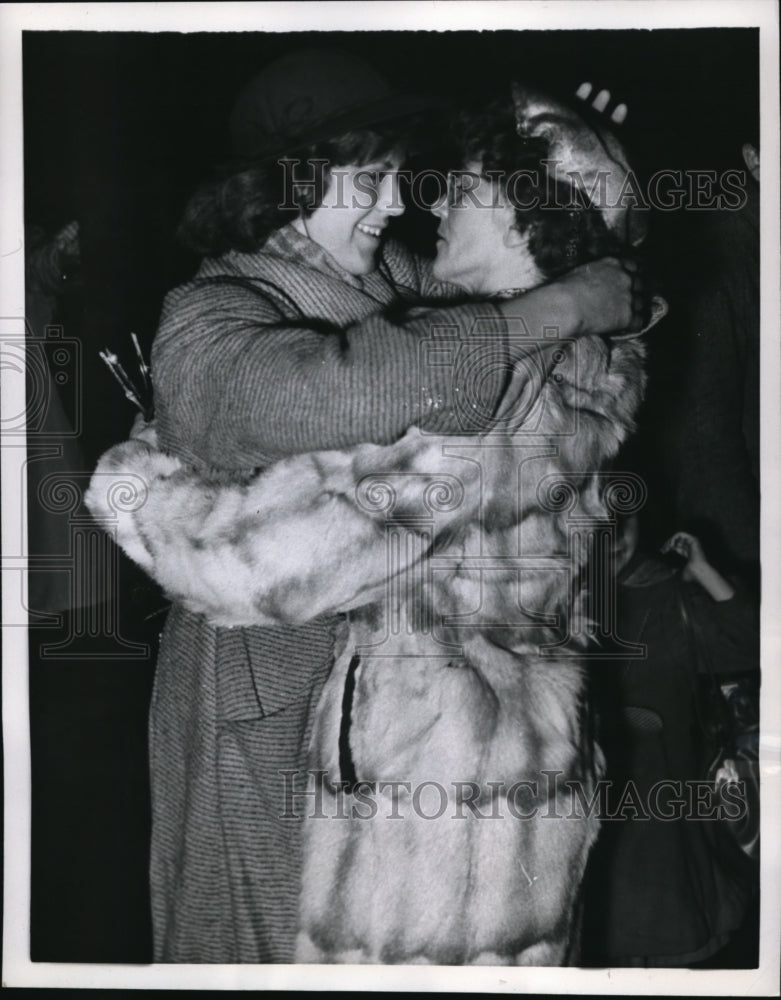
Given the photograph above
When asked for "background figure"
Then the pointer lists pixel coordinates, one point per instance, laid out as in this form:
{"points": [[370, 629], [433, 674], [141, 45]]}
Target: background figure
{"points": [[703, 404], [717, 459], [90, 677], [659, 892], [51, 272]]}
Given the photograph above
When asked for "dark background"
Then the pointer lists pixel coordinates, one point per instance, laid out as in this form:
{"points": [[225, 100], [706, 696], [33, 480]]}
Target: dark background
{"points": [[119, 128]]}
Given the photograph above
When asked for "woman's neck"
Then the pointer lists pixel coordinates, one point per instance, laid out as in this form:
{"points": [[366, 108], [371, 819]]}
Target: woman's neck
{"points": [[512, 276]]}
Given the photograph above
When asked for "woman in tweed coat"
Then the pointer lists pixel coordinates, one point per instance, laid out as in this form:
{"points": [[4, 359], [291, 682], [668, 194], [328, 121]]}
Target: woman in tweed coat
{"points": [[284, 344]]}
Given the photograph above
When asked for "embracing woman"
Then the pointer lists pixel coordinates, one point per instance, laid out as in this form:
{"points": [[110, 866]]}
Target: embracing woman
{"points": [[292, 338]]}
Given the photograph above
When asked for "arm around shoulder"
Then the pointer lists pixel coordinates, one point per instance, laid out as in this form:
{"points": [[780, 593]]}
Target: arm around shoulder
{"points": [[238, 384]]}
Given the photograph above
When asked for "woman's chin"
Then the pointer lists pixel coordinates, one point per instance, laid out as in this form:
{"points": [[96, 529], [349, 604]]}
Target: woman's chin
{"points": [[443, 273], [359, 264]]}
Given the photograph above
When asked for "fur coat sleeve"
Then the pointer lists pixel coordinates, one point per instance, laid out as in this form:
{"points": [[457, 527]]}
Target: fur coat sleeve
{"points": [[300, 539]]}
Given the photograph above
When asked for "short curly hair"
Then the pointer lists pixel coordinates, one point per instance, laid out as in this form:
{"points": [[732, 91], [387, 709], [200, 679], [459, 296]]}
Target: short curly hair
{"points": [[240, 210], [564, 230]]}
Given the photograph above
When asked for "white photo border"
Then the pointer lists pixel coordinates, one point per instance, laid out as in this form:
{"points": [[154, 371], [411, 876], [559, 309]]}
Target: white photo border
{"points": [[18, 970]]}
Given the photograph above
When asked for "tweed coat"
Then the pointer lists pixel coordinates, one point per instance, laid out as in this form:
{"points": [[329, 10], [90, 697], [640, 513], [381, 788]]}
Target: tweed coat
{"points": [[261, 356]]}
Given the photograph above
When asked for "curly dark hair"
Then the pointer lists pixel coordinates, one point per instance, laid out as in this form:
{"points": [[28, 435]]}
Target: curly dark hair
{"points": [[239, 210], [564, 229]]}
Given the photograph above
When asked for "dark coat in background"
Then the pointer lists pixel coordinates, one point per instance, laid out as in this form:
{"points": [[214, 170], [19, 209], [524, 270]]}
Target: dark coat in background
{"points": [[659, 892]]}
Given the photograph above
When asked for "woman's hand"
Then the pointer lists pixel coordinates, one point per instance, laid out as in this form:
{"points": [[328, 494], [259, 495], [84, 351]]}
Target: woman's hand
{"points": [[697, 568], [602, 297], [143, 431], [606, 296], [689, 548], [601, 101]]}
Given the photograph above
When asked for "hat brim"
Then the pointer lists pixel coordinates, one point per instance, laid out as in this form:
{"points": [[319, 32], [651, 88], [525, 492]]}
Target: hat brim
{"points": [[360, 117]]}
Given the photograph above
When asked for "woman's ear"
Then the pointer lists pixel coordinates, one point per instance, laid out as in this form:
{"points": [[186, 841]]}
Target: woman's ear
{"points": [[751, 159]]}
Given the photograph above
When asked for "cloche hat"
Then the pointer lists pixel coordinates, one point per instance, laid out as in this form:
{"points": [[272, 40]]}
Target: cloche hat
{"points": [[310, 95]]}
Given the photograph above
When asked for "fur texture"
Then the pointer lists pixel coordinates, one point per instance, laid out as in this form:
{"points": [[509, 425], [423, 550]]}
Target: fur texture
{"points": [[588, 156]]}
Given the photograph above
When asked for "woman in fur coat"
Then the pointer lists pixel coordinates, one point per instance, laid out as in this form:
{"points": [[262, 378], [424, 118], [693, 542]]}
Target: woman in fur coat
{"points": [[282, 344]]}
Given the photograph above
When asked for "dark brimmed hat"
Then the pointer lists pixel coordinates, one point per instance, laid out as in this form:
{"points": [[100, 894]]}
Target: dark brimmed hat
{"points": [[310, 95]]}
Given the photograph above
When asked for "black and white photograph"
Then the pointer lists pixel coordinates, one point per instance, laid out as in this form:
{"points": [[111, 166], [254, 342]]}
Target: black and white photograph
{"points": [[391, 496]]}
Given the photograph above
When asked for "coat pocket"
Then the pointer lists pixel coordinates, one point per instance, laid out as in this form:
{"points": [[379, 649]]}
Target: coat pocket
{"points": [[262, 671]]}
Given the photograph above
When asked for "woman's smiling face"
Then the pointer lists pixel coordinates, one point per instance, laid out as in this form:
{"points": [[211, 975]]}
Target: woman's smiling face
{"points": [[356, 208]]}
